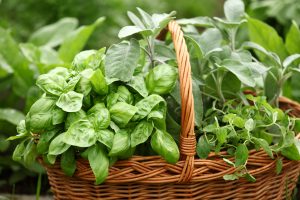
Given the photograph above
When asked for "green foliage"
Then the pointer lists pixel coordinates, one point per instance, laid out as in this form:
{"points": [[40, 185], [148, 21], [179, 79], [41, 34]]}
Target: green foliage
{"points": [[109, 119]]}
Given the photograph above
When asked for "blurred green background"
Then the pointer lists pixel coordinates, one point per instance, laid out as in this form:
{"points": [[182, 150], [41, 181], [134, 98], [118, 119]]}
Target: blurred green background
{"points": [[23, 17]]}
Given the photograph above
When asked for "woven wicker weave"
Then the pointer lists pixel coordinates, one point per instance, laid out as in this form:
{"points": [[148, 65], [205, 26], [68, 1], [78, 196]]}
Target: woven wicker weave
{"points": [[150, 177]]}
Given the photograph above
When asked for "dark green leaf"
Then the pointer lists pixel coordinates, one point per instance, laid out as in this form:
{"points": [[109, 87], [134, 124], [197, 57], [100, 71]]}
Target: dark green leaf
{"points": [[44, 141], [279, 165], [203, 147], [292, 152], [68, 162]]}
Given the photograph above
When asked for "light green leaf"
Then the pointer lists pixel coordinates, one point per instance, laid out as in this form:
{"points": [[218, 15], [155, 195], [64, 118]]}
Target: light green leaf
{"points": [[121, 60], [54, 34], [19, 152], [106, 137], [163, 144], [234, 10], [250, 124], [73, 117], [139, 85], [221, 134], [197, 21], [146, 18], [99, 83], [76, 40], [135, 20], [266, 36], [121, 113], [5, 68], [241, 155], [31, 52], [11, 115], [230, 177], [292, 152], [131, 30], [44, 141], [88, 59], [81, 134], [279, 165], [290, 59], [146, 105], [51, 84], [124, 95], [57, 145], [99, 162], [99, 116], [161, 79], [23, 74], [121, 143], [292, 39], [141, 133], [263, 144], [70, 102]]}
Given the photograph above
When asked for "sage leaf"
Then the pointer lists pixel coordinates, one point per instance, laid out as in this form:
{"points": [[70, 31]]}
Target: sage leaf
{"points": [[293, 39], [234, 10], [121, 60]]}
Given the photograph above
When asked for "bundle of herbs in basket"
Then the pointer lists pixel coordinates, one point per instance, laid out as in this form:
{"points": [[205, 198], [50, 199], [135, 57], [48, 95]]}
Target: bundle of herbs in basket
{"points": [[109, 127]]}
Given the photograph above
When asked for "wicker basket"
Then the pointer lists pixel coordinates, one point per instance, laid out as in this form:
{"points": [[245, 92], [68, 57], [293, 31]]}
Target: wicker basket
{"points": [[150, 177]]}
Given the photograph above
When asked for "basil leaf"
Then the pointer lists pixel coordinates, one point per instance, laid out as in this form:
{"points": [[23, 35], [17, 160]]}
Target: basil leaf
{"points": [[99, 116], [11, 115], [44, 141], [51, 84], [139, 85], [163, 144], [141, 133], [99, 83], [241, 155], [99, 162], [58, 145], [81, 134], [124, 95], [161, 79], [293, 39], [146, 105], [121, 60], [73, 117], [88, 59], [121, 143], [121, 113], [106, 137], [19, 152], [70, 101], [58, 116], [112, 99], [68, 162]]}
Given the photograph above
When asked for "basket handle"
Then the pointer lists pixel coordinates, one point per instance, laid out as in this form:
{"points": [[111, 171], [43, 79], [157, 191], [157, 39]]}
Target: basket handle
{"points": [[187, 137]]}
